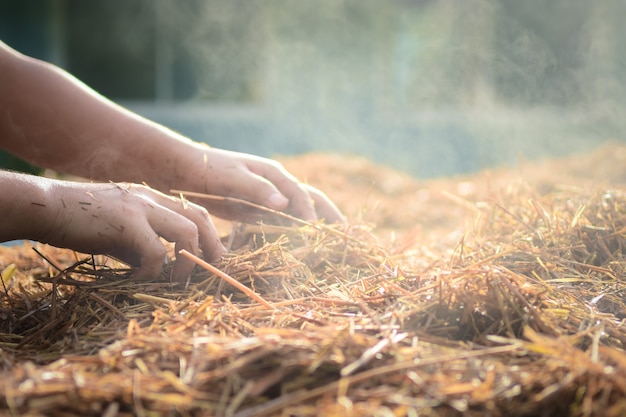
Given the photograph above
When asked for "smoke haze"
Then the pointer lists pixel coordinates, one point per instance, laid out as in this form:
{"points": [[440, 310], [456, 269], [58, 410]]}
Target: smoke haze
{"points": [[430, 87]]}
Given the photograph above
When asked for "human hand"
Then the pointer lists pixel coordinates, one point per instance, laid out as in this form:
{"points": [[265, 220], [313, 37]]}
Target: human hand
{"points": [[126, 221], [128, 147], [260, 181]]}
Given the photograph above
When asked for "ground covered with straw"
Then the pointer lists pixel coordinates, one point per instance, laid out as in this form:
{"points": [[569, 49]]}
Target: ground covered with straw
{"points": [[498, 294]]}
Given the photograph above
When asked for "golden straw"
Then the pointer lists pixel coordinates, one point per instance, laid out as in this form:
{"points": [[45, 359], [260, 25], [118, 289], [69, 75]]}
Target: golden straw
{"points": [[232, 281]]}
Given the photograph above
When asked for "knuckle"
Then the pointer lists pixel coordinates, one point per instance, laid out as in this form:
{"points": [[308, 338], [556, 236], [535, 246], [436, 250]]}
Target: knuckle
{"points": [[189, 228], [198, 213]]}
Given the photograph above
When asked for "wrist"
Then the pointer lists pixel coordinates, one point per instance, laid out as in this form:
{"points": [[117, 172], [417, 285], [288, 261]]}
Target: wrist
{"points": [[188, 169], [26, 206]]}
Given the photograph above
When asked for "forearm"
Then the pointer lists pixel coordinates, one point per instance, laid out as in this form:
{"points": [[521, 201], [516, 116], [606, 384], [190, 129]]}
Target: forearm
{"points": [[53, 120], [25, 206]]}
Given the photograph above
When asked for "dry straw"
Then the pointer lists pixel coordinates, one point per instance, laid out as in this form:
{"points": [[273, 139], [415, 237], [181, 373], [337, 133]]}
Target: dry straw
{"points": [[524, 317]]}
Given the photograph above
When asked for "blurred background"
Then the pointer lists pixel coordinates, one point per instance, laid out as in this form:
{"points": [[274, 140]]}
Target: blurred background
{"points": [[429, 87]]}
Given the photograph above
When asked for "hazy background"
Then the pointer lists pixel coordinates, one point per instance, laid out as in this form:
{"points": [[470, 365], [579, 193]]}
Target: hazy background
{"points": [[430, 87]]}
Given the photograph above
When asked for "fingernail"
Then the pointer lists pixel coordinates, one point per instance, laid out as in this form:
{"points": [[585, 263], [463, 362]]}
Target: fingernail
{"points": [[277, 201]]}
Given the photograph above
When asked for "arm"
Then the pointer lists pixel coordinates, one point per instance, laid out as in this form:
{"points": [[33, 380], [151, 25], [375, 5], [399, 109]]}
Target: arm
{"points": [[122, 220], [51, 119]]}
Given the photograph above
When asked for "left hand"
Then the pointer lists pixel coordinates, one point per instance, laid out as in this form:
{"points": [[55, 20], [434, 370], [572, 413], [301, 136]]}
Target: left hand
{"points": [[126, 221]]}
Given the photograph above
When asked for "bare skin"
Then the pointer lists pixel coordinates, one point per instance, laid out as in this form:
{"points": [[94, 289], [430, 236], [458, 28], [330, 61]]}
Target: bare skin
{"points": [[52, 120]]}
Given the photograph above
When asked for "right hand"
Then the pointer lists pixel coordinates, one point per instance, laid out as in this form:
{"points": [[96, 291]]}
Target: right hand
{"points": [[258, 180]]}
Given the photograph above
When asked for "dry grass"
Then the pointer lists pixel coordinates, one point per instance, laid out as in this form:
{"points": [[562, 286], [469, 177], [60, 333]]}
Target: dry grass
{"points": [[524, 315]]}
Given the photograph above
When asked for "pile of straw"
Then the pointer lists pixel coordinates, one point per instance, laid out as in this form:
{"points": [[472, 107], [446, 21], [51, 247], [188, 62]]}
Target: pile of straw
{"points": [[523, 316]]}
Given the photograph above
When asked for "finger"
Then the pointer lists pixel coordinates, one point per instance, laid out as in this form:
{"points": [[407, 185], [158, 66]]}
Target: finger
{"points": [[212, 247], [324, 207], [209, 239], [151, 251], [255, 187], [300, 202], [188, 226], [178, 229]]}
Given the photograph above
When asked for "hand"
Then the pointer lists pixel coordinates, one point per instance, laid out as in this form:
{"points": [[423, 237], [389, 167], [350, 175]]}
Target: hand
{"points": [[130, 148], [261, 181], [126, 221]]}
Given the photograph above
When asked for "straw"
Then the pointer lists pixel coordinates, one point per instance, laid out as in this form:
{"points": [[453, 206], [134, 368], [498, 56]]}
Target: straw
{"points": [[504, 301]]}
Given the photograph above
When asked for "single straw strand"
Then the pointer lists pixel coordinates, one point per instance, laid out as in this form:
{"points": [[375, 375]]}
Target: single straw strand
{"points": [[232, 281]]}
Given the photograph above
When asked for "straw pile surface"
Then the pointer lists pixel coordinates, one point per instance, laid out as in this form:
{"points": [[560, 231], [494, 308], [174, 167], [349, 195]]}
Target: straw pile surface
{"points": [[500, 294]]}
